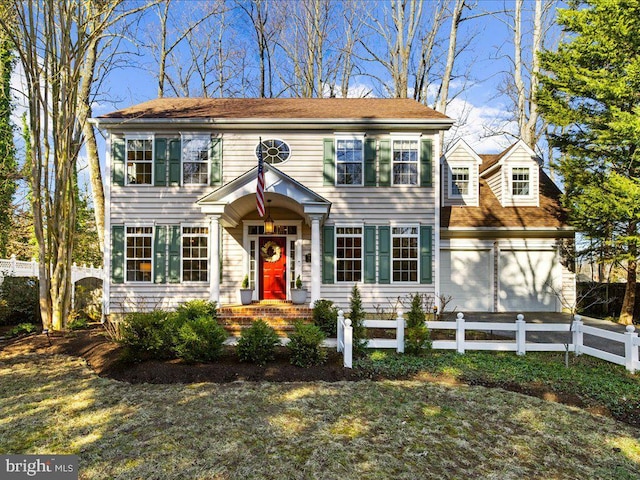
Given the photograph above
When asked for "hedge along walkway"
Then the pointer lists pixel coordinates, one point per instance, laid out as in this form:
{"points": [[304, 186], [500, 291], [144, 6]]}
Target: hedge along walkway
{"points": [[350, 430]]}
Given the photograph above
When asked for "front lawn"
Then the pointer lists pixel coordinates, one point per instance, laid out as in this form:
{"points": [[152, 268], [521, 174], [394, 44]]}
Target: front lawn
{"points": [[349, 430]]}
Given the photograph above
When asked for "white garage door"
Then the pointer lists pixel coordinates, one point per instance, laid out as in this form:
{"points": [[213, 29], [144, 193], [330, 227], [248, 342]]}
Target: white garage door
{"points": [[528, 280], [465, 275]]}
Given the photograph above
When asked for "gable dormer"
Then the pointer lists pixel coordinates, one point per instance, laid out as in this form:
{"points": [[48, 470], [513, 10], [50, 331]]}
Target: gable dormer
{"points": [[513, 176], [460, 167]]}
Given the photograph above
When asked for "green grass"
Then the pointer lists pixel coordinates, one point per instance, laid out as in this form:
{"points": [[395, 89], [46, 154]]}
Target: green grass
{"points": [[404, 429]]}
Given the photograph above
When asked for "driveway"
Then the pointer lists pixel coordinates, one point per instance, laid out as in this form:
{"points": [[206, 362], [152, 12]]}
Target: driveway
{"points": [[616, 348]]}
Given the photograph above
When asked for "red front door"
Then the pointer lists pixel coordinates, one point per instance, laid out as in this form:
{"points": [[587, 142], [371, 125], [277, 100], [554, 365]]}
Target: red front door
{"points": [[273, 268]]}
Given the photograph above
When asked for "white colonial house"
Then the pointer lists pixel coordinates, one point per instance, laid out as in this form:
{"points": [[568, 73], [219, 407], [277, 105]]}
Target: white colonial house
{"points": [[354, 193]]}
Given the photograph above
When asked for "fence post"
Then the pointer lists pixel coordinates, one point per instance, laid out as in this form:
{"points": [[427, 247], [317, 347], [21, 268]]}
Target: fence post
{"points": [[400, 332], [578, 336], [348, 344], [460, 340], [12, 270], [521, 335], [340, 330], [631, 349]]}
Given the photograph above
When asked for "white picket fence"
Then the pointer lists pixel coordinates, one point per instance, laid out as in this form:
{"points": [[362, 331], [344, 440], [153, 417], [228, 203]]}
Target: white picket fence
{"points": [[19, 268], [576, 329]]}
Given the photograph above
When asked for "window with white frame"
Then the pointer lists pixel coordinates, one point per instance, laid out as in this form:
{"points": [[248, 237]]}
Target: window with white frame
{"points": [[405, 162], [195, 254], [459, 181], [348, 254], [195, 159], [520, 181], [405, 254], [349, 161], [139, 161], [139, 253]]}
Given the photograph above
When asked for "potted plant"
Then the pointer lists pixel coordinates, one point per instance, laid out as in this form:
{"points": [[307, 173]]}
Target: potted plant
{"points": [[246, 293], [298, 294]]}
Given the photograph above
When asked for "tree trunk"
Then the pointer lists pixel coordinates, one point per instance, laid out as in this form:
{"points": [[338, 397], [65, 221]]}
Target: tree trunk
{"points": [[629, 301]]}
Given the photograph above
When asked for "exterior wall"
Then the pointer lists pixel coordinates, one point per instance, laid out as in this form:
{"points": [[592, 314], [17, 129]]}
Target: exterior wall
{"points": [[495, 181]]}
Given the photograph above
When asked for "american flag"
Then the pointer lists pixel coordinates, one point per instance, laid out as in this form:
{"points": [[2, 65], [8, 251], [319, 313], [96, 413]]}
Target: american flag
{"points": [[260, 186]]}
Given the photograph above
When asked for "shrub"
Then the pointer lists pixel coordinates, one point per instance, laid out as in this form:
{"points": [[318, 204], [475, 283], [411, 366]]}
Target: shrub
{"points": [[194, 309], [148, 334], [77, 322], [325, 316], [88, 300], [199, 339], [305, 345], [356, 316], [417, 337], [257, 344], [22, 329], [19, 300]]}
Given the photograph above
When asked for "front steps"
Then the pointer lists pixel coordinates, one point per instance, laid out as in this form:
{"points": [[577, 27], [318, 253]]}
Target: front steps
{"points": [[280, 314]]}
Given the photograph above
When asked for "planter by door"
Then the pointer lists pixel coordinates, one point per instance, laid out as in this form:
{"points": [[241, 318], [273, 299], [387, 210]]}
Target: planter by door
{"points": [[246, 295], [298, 295]]}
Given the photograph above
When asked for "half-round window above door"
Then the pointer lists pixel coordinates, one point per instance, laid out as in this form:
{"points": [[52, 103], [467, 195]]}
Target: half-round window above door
{"points": [[274, 151]]}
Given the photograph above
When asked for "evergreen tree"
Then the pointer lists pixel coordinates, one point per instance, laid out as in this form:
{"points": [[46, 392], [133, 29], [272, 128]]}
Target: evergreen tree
{"points": [[356, 316], [591, 89], [8, 164], [417, 336]]}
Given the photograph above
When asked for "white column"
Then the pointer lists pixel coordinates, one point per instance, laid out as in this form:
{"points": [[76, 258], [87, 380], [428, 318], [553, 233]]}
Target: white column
{"points": [[315, 258], [214, 259]]}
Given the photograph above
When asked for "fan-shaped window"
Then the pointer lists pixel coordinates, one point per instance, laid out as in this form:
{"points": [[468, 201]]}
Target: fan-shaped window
{"points": [[274, 151]]}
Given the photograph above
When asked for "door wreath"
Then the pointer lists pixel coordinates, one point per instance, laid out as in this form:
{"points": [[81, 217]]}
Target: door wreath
{"points": [[271, 251]]}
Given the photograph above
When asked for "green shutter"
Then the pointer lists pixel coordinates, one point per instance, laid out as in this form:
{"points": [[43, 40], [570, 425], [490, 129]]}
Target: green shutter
{"points": [[160, 162], [328, 239], [174, 254], [329, 172], [425, 254], [160, 251], [175, 152], [117, 160], [117, 254], [370, 162], [384, 255], [369, 254], [425, 163], [385, 163], [215, 160]]}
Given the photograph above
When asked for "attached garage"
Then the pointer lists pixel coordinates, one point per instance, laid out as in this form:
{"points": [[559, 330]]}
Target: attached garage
{"points": [[465, 276], [529, 280]]}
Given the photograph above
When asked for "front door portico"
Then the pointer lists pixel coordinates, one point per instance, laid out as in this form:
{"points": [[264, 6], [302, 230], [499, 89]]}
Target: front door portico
{"points": [[273, 268]]}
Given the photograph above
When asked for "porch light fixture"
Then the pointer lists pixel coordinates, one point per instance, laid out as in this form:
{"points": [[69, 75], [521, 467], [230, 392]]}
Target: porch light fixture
{"points": [[268, 222]]}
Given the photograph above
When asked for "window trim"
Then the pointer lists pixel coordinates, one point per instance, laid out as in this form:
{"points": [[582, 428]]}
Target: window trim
{"points": [[335, 251], [273, 139], [511, 182], [349, 136], [139, 136], [153, 252], [187, 136], [400, 138], [392, 258], [208, 237], [470, 183]]}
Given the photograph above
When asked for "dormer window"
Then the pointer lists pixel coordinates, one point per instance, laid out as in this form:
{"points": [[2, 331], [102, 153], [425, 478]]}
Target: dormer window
{"points": [[459, 181], [520, 181]]}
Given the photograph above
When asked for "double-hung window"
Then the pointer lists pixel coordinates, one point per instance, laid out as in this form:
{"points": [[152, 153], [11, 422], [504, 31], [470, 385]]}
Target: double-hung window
{"points": [[405, 253], [459, 181], [406, 158], [195, 159], [348, 254], [349, 160], [139, 160], [520, 181], [139, 253], [195, 254]]}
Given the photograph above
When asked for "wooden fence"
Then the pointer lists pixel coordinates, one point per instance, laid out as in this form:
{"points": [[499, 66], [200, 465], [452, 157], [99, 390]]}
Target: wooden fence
{"points": [[575, 338]]}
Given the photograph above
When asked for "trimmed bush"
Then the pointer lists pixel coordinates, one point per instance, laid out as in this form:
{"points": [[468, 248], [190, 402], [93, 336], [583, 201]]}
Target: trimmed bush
{"points": [[199, 340], [417, 339], [305, 345], [257, 344], [19, 300], [148, 334], [325, 316], [357, 316], [194, 309]]}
